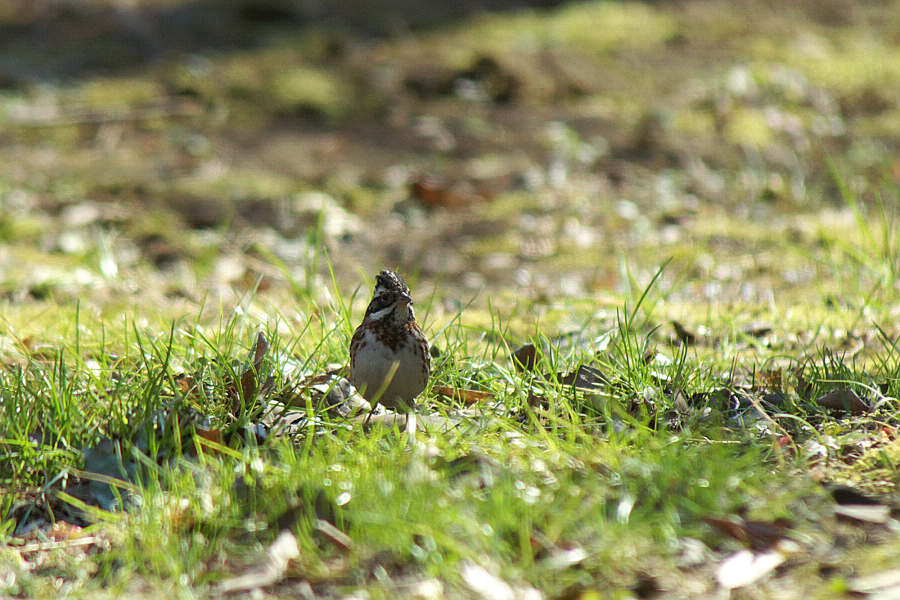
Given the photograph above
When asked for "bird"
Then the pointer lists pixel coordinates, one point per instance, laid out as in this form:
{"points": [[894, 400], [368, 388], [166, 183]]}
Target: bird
{"points": [[389, 356]]}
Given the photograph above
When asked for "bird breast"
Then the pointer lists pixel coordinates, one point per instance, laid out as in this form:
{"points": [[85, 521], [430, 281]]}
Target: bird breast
{"points": [[375, 358]]}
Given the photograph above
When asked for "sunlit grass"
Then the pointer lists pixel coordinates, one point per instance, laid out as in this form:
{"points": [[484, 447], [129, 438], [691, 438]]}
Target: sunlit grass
{"points": [[515, 484], [128, 321]]}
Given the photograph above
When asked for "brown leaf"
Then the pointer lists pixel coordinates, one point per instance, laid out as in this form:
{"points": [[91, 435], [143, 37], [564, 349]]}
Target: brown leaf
{"points": [[686, 337], [59, 531], [249, 385], [259, 350], [757, 330], [786, 443], [463, 395], [271, 570], [758, 535], [525, 357], [803, 386], [213, 435], [768, 380], [844, 494], [334, 535], [843, 399], [856, 506], [185, 383], [434, 191], [248, 379], [585, 378]]}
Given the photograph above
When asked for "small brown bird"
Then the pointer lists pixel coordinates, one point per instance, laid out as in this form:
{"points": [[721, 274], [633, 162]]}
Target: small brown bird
{"points": [[389, 358]]}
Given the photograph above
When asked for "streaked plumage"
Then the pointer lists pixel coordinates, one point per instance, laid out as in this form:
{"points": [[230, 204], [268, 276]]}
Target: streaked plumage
{"points": [[388, 351]]}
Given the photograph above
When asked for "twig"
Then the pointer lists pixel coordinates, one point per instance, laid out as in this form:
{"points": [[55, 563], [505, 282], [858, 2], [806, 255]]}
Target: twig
{"points": [[88, 117], [44, 546]]}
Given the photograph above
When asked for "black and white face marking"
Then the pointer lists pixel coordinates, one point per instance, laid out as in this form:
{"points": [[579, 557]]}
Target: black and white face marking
{"points": [[397, 306], [390, 298]]}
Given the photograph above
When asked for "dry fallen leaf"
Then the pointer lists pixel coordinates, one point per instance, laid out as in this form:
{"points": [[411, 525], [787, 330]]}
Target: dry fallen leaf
{"points": [[213, 435], [843, 399], [434, 191], [867, 513], [524, 357], [684, 336], [464, 395], [330, 392], [885, 584], [248, 381], [271, 570], [337, 537], [585, 378], [844, 494], [756, 534], [769, 379], [757, 330], [185, 383]]}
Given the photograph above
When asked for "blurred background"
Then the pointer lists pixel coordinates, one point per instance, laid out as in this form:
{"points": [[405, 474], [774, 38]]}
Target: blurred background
{"points": [[181, 150]]}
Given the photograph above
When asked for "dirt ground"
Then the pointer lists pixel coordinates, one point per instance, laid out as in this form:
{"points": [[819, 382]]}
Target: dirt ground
{"points": [[531, 151]]}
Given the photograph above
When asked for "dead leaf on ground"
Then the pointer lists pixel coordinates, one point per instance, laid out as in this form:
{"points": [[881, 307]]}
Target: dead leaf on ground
{"points": [[434, 191], [684, 336], [271, 570], [843, 399], [213, 435], [770, 379], [334, 535], [186, 384], [865, 513], [524, 357], [250, 387], [758, 535], [585, 378], [844, 494], [803, 386], [757, 330], [853, 505], [330, 392], [885, 584], [464, 395]]}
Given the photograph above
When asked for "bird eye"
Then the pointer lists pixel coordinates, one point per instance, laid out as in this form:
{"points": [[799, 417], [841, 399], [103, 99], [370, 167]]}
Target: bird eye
{"points": [[379, 302]]}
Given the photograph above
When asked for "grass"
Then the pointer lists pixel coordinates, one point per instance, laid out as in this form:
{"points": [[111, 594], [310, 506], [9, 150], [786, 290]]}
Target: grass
{"points": [[563, 489], [157, 217]]}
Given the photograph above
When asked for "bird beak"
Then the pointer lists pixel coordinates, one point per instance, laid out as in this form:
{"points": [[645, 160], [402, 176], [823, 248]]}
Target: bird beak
{"points": [[406, 298]]}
